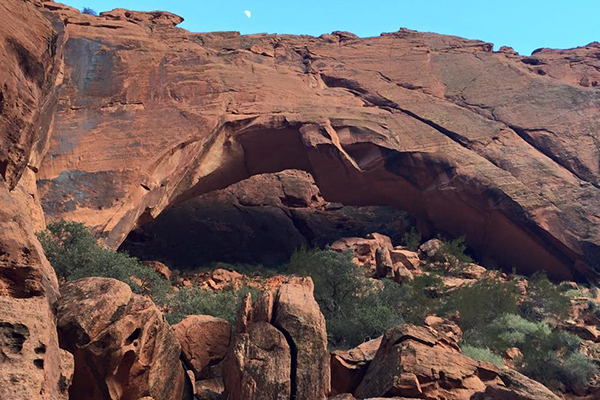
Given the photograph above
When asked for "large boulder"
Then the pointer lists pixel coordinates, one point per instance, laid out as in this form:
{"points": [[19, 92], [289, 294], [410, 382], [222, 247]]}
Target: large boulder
{"points": [[348, 367], [419, 362], [204, 341], [516, 386], [280, 347], [123, 347], [297, 315], [259, 365]]}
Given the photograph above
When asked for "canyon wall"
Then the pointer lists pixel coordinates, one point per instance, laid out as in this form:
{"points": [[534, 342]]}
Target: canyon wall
{"points": [[493, 145]]}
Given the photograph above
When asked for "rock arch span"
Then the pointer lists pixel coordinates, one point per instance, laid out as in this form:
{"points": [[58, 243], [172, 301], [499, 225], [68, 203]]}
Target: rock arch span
{"points": [[468, 140]]}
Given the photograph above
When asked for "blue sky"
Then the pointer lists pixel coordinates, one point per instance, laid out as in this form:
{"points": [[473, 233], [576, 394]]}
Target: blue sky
{"points": [[524, 25]]}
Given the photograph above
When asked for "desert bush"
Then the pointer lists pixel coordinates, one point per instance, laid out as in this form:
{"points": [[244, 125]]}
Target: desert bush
{"points": [[74, 253], [550, 356], [198, 301], [453, 251], [511, 330], [423, 296], [479, 304], [544, 299], [482, 354], [355, 307], [89, 11], [412, 239], [578, 370]]}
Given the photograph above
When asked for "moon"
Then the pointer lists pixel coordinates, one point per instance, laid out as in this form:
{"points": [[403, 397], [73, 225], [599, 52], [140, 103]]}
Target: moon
{"points": [[248, 14]]}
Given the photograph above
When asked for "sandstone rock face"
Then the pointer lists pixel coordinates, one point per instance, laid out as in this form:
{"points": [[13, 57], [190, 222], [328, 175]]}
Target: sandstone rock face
{"points": [[280, 347], [468, 140], [123, 348], [28, 76], [31, 364], [518, 387], [349, 366], [418, 362], [204, 341]]}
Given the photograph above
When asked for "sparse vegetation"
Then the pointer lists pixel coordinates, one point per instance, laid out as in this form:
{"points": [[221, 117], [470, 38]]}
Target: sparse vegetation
{"points": [[482, 354], [479, 304], [544, 299], [89, 11], [197, 301], [74, 253], [453, 251], [412, 239], [355, 308]]}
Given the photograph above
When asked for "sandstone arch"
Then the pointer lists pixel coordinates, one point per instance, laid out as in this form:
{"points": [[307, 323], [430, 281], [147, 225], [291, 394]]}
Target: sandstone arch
{"points": [[470, 141]]}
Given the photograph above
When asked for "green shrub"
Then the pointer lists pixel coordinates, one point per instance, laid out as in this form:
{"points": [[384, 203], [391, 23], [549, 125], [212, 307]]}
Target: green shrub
{"points": [[422, 298], [412, 239], [482, 354], [453, 251], [544, 299], [479, 304], [74, 253], [355, 308], [198, 301], [510, 330], [578, 370], [550, 356]]}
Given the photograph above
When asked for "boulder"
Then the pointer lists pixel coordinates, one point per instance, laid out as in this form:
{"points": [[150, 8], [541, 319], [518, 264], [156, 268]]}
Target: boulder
{"points": [[160, 269], [204, 341], [209, 389], [123, 347], [420, 362], [383, 263], [409, 259], [430, 247], [349, 366], [372, 251], [297, 315], [516, 386], [280, 347], [258, 365]]}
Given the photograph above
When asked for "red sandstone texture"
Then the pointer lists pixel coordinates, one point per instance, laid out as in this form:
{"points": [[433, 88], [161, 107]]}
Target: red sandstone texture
{"points": [[468, 140]]}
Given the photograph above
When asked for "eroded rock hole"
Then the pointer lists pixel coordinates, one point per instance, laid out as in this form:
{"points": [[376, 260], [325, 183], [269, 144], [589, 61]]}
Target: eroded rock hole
{"points": [[261, 220]]}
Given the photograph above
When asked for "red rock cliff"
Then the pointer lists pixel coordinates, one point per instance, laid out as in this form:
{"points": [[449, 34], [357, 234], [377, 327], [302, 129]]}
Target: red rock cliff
{"points": [[493, 145]]}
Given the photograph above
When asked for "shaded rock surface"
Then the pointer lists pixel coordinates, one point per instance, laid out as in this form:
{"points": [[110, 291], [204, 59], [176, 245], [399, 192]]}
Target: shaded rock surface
{"points": [[418, 362], [122, 346], [279, 350], [31, 364], [348, 367], [468, 140], [204, 341], [262, 219]]}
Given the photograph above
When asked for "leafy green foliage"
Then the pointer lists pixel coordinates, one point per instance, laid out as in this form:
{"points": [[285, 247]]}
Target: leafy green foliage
{"points": [[74, 253], [412, 239], [544, 299], [453, 251], [198, 301], [482, 354]]}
